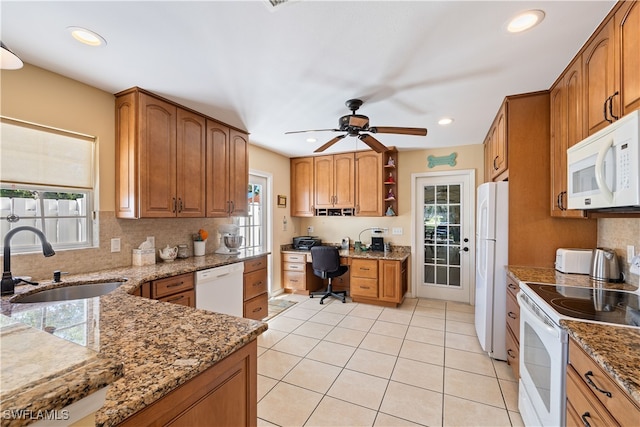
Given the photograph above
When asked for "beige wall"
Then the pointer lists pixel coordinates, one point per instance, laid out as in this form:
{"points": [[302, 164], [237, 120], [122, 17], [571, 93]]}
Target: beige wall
{"points": [[617, 233]]}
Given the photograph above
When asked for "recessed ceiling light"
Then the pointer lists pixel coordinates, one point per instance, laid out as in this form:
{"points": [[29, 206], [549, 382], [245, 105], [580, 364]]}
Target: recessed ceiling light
{"points": [[311, 140], [445, 121], [87, 37], [525, 20]]}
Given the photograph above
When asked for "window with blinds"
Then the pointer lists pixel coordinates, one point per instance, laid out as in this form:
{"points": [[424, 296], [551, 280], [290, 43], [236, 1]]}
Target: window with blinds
{"points": [[47, 181]]}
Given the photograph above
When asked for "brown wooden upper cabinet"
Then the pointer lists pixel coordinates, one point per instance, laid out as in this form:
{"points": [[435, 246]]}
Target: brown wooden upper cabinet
{"points": [[496, 143], [566, 130], [302, 186], [611, 60], [369, 183], [162, 168], [228, 171], [334, 177]]}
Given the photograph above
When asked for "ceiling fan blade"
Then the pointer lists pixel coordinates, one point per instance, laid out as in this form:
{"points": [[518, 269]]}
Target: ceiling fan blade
{"points": [[398, 130], [329, 144], [375, 145], [312, 130]]}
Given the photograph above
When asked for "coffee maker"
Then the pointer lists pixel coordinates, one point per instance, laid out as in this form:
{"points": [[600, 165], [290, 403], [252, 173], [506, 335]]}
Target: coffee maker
{"points": [[377, 244]]}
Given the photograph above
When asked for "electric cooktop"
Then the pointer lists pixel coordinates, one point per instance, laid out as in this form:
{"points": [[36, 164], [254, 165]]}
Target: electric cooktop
{"points": [[591, 304]]}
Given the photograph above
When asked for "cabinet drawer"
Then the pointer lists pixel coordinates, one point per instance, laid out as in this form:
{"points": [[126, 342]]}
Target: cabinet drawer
{"points": [[256, 308], [171, 285], [367, 268], [292, 266], [255, 264], [619, 404], [294, 280], [582, 402], [513, 352], [286, 257], [255, 283], [187, 298], [513, 316], [513, 287], [364, 287]]}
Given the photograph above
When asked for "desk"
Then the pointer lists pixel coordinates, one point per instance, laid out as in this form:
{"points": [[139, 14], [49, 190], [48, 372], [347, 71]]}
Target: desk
{"points": [[379, 278]]}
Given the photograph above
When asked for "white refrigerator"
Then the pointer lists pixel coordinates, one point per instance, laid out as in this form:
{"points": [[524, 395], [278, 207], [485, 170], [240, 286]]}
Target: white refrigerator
{"points": [[492, 252]]}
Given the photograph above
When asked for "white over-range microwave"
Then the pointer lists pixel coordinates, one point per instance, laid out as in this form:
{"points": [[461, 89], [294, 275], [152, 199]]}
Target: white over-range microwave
{"points": [[604, 169]]}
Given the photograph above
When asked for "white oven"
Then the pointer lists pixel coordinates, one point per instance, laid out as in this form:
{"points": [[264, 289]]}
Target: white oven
{"points": [[543, 361]]}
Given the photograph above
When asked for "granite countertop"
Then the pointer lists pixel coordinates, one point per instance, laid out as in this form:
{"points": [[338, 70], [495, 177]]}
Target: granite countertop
{"points": [[615, 348], [143, 348], [399, 253]]}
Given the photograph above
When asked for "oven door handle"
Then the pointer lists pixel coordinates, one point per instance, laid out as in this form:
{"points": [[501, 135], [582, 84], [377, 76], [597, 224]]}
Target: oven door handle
{"points": [[533, 316]]}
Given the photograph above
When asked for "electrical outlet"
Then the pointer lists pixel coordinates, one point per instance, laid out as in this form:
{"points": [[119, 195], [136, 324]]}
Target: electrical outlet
{"points": [[630, 253], [310, 229], [152, 241], [635, 265], [115, 244], [396, 231]]}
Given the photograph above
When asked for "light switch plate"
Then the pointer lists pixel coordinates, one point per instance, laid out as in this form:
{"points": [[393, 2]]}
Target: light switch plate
{"points": [[115, 244], [630, 253], [397, 231]]}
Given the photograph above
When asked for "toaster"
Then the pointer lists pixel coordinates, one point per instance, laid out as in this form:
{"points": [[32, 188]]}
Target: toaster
{"points": [[573, 260]]}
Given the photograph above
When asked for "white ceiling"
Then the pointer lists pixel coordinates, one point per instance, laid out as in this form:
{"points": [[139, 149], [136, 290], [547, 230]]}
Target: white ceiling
{"points": [[271, 71]]}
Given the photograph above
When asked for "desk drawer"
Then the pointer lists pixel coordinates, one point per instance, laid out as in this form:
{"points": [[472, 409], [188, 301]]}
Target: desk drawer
{"points": [[292, 266], [364, 287], [294, 280], [367, 268], [287, 257]]}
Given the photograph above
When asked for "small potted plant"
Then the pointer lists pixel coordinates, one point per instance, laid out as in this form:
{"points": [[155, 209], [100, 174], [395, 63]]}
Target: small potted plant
{"points": [[200, 242]]}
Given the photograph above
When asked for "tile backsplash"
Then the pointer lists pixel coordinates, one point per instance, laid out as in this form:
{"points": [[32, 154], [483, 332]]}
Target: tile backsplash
{"points": [[132, 232], [618, 233]]}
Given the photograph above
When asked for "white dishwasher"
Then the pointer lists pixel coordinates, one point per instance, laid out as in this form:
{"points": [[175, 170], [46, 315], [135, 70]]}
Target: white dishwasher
{"points": [[220, 289]]}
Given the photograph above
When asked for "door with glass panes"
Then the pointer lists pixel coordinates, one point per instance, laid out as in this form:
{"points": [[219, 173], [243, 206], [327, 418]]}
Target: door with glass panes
{"points": [[444, 217]]}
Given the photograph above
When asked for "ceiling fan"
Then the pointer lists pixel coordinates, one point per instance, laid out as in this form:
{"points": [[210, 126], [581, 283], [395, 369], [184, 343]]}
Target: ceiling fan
{"points": [[358, 125]]}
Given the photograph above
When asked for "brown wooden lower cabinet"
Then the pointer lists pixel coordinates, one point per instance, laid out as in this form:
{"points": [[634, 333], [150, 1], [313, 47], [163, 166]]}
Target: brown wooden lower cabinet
{"points": [[255, 292], [592, 395], [380, 282], [297, 274], [513, 327], [176, 290], [223, 395]]}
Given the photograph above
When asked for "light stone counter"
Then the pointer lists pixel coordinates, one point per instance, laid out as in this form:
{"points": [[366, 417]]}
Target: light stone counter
{"points": [[144, 348]]}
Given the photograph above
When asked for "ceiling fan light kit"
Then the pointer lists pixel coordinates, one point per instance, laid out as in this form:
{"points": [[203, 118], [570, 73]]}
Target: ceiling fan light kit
{"points": [[8, 59], [355, 124]]}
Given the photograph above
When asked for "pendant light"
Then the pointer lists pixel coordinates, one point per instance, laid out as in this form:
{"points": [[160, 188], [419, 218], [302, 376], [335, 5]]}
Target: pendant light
{"points": [[8, 59]]}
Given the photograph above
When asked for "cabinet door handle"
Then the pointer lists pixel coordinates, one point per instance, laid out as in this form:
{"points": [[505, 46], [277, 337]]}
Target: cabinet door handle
{"points": [[179, 204], [365, 287], [174, 205], [233, 207], [255, 310], [173, 285], [611, 106], [584, 419], [364, 268], [258, 283], [510, 354], [604, 110], [588, 376], [175, 299], [512, 315], [512, 286]]}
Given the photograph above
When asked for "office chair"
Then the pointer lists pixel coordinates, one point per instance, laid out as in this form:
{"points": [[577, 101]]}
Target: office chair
{"points": [[325, 261]]}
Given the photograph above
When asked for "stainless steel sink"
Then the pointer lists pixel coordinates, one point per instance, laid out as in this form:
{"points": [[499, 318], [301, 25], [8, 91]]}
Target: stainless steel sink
{"points": [[69, 292]]}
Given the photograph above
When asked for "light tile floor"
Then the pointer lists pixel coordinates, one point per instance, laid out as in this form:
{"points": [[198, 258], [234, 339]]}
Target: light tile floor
{"points": [[361, 365]]}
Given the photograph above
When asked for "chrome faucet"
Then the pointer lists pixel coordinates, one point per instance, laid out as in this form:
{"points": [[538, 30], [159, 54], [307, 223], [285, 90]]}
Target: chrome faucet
{"points": [[8, 282]]}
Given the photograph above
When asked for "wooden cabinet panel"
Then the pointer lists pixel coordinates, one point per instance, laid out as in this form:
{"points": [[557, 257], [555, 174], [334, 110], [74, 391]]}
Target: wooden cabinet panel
{"points": [[627, 23], [217, 159], [126, 179], [186, 298], [297, 274], [513, 316], [391, 275], [302, 189], [257, 308], [496, 144], [255, 264], [366, 268], [223, 395], [297, 258], [368, 184], [295, 280], [157, 147], [238, 172], [364, 287], [190, 164], [513, 326], [171, 285], [513, 353], [255, 283], [599, 78], [334, 181], [610, 396], [586, 410]]}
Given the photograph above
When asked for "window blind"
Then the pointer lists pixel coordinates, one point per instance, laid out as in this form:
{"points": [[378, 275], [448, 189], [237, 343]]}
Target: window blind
{"points": [[37, 155]]}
